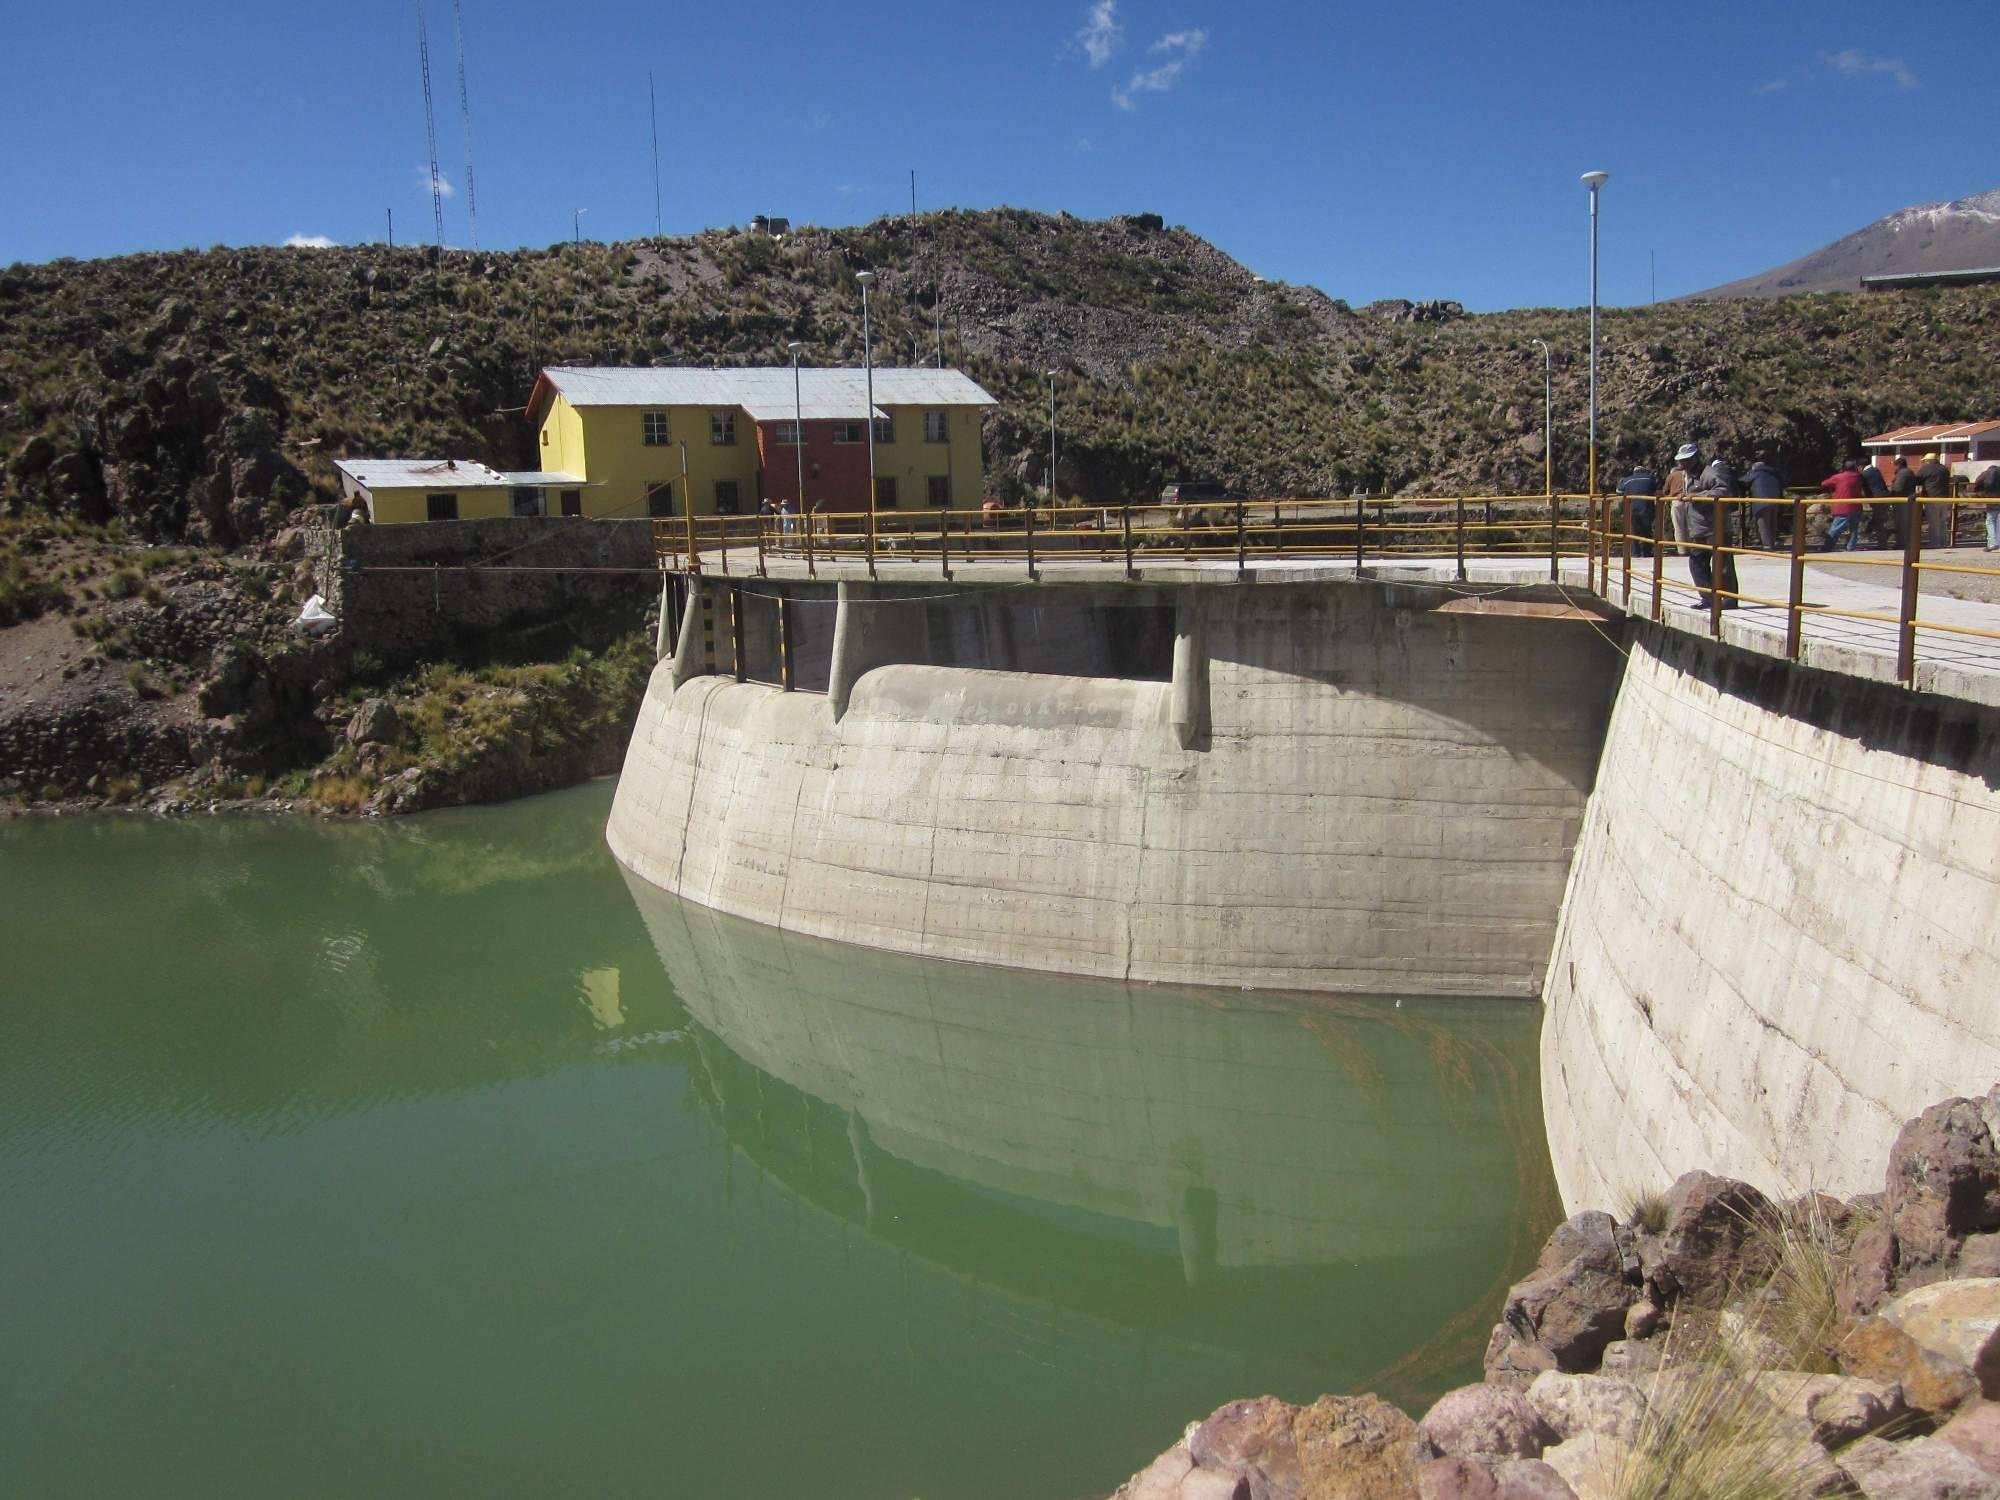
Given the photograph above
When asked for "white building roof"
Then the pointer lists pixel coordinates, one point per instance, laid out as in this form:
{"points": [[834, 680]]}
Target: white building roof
{"points": [[543, 478], [415, 473], [766, 393]]}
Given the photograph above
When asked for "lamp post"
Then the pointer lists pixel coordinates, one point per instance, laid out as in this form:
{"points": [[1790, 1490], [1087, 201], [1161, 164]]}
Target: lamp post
{"points": [[576, 227], [1596, 180], [1052, 442], [867, 279], [1548, 419]]}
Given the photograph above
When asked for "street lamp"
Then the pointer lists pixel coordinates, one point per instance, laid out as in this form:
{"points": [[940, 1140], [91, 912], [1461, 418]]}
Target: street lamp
{"points": [[577, 227], [1596, 180], [867, 279], [1052, 441], [799, 429], [1548, 419]]}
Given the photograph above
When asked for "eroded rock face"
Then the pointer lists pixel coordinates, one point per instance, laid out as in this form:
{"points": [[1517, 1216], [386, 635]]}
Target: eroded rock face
{"points": [[1483, 1422], [1932, 1384], [1943, 1184], [1476, 1479], [1572, 1405], [1921, 1469], [1575, 1301]]}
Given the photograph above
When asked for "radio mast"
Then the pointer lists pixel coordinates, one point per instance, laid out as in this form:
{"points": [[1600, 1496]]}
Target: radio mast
{"points": [[465, 117], [430, 126]]}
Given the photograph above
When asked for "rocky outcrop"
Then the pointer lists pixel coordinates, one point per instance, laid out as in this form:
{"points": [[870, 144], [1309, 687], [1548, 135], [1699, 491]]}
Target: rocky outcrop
{"points": [[1721, 1297]]}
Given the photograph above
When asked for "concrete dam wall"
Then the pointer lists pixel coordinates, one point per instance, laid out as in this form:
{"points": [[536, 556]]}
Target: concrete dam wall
{"points": [[1339, 785], [1779, 937]]}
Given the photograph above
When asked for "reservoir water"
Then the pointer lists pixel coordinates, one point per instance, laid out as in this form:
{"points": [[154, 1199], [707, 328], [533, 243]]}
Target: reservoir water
{"points": [[440, 1159]]}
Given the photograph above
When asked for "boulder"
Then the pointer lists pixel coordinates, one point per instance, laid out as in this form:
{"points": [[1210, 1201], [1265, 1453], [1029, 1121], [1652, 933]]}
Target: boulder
{"points": [[1959, 1320], [1571, 1405], [1867, 1273], [1710, 1246], [1473, 1479], [1838, 1408], [375, 722], [1979, 1255], [1924, 1468], [1975, 1431], [1574, 1302], [1943, 1184], [1348, 1446], [1483, 1421], [1591, 1465], [1512, 1361], [1642, 1318], [1627, 1357], [1932, 1384]]}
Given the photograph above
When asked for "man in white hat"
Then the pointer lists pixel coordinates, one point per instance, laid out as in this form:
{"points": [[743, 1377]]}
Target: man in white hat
{"points": [[1687, 467]]}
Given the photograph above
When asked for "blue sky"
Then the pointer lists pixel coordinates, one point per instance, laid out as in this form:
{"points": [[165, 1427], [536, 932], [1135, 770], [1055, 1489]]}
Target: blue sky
{"points": [[1426, 149]]}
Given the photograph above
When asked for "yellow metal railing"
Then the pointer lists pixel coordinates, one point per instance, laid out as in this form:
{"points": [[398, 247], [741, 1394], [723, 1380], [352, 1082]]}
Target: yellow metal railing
{"points": [[1619, 559]]}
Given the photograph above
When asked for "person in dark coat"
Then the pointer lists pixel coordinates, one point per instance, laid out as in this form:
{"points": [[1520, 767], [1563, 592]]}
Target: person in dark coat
{"points": [[1987, 488], [1713, 571], [1642, 484], [1934, 479], [1903, 486], [1881, 518], [1765, 484]]}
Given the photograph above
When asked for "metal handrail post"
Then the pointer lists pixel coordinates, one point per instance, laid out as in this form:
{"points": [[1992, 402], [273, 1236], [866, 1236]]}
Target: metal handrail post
{"points": [[1029, 533], [762, 572], [1555, 565], [1660, 556], [1717, 536], [694, 566], [1906, 612], [1461, 538], [722, 541], [806, 516], [1627, 601], [944, 542], [871, 537], [1794, 613], [1242, 563], [1125, 520], [1360, 530]]}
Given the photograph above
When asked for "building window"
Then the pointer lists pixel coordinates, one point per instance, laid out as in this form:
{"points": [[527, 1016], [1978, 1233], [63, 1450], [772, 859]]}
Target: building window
{"points": [[572, 502], [441, 507], [934, 427], [659, 500], [655, 423], [938, 491], [527, 501], [725, 497], [885, 494], [885, 431], [848, 432], [722, 429], [785, 434]]}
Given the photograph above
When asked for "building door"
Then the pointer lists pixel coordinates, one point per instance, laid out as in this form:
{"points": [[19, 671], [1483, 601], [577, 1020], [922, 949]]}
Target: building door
{"points": [[572, 502], [660, 500]]}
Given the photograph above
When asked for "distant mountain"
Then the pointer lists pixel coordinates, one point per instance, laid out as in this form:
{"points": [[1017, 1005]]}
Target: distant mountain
{"points": [[1962, 235]]}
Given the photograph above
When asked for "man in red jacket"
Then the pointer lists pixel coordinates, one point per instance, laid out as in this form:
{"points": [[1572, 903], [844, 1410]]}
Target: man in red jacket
{"points": [[1843, 531]]}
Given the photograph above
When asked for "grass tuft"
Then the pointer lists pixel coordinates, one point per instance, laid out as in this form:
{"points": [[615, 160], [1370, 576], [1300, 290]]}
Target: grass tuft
{"points": [[1647, 1211]]}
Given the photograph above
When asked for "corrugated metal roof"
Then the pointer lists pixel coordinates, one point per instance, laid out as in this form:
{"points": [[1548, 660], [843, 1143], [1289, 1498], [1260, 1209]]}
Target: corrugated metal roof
{"points": [[412, 473], [541, 477], [1931, 432], [824, 394]]}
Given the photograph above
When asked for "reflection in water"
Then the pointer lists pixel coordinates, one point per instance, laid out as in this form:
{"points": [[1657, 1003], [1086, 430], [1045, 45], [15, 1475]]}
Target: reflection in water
{"points": [[392, 1160], [1264, 1152]]}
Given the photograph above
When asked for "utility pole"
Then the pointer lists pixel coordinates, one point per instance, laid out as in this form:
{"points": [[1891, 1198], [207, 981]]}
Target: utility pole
{"points": [[392, 226], [653, 103], [1653, 269], [913, 192]]}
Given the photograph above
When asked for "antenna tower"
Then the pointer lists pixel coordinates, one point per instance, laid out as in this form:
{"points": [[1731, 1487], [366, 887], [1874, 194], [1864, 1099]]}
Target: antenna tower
{"points": [[430, 125], [465, 117], [653, 105]]}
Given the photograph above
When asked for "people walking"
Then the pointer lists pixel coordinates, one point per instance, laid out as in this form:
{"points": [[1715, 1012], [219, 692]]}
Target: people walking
{"points": [[1903, 486], [1642, 485], [1765, 485], [1987, 488], [1710, 563], [1881, 517], [1843, 531], [1935, 481]]}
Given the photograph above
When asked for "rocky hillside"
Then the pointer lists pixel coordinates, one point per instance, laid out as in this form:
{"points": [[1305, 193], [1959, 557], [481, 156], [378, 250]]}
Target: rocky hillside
{"points": [[201, 394], [1961, 235]]}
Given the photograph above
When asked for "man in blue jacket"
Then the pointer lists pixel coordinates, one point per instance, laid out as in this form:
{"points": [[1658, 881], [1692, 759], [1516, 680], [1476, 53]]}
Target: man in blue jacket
{"points": [[1643, 485]]}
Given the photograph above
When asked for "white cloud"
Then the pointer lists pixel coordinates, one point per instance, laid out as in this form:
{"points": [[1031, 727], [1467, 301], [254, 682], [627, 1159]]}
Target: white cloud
{"points": [[1180, 48], [1101, 33], [1857, 64], [444, 187], [310, 242], [1775, 86]]}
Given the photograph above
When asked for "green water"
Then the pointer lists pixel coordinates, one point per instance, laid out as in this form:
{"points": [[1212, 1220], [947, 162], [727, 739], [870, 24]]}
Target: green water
{"points": [[437, 1159]]}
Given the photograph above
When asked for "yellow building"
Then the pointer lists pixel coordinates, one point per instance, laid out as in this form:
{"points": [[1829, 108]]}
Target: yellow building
{"points": [[641, 441], [448, 489]]}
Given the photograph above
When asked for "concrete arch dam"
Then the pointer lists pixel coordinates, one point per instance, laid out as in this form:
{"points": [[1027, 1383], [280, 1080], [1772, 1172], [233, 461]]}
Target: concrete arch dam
{"points": [[1760, 898], [1314, 785]]}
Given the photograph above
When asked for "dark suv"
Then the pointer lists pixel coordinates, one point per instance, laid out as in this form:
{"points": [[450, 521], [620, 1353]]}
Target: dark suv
{"points": [[1198, 492]]}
